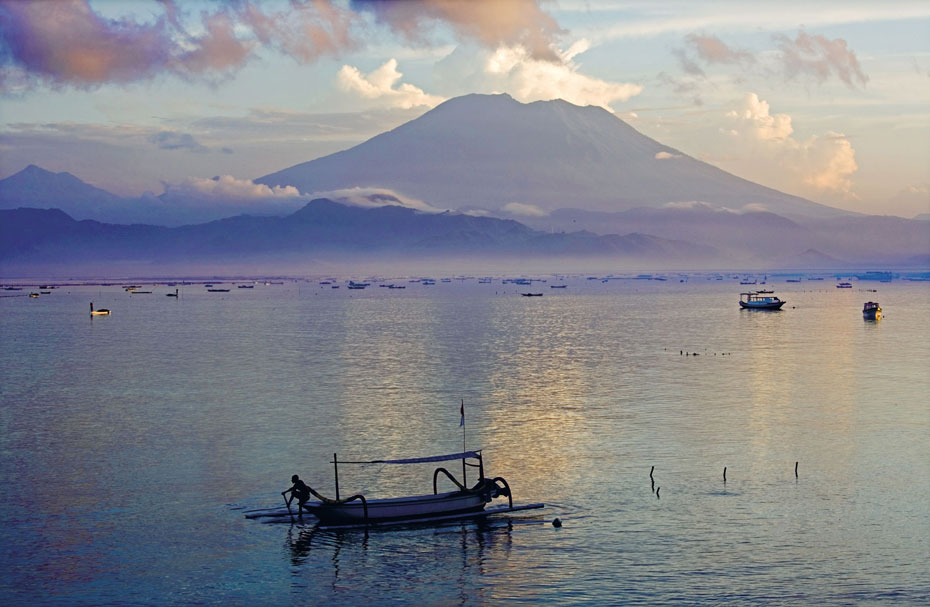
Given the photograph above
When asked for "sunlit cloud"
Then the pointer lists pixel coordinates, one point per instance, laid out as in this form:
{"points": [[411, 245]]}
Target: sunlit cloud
{"points": [[524, 209], [758, 139], [493, 24], [513, 69], [229, 188], [383, 84]]}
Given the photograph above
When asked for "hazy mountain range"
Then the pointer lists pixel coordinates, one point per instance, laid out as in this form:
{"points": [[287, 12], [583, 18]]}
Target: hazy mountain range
{"points": [[595, 186]]}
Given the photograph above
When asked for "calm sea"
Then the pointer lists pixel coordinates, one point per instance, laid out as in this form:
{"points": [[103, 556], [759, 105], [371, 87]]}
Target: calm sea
{"points": [[131, 444]]}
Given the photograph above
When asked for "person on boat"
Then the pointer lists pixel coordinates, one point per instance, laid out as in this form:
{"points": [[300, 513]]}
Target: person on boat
{"points": [[301, 491]]}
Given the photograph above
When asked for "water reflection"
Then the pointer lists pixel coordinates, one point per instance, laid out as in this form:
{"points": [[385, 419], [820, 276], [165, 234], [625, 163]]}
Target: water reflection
{"points": [[412, 564]]}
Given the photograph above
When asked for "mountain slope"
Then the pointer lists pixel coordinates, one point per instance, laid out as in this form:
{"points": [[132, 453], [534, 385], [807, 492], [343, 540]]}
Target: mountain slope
{"points": [[489, 150]]}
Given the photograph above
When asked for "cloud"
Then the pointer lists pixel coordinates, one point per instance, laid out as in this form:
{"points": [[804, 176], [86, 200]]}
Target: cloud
{"points": [[170, 140], [666, 155], [513, 69], [712, 49], [753, 117], [492, 24], [526, 210], [760, 143], [72, 43], [376, 197], [228, 188], [820, 58], [382, 83]]}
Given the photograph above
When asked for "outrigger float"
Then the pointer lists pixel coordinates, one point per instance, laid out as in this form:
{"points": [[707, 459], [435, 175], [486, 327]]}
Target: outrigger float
{"points": [[360, 511]]}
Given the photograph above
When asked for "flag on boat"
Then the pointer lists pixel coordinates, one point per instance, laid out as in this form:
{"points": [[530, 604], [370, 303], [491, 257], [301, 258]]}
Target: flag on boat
{"points": [[462, 423]]}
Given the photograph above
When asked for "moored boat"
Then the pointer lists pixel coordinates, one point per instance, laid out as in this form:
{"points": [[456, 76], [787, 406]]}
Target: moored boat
{"points": [[758, 300], [359, 510], [871, 311]]}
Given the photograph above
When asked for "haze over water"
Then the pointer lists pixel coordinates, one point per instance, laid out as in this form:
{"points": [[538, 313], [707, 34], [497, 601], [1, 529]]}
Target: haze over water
{"points": [[130, 443]]}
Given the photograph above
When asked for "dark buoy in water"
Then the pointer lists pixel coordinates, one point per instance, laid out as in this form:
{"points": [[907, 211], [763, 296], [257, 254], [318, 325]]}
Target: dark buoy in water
{"points": [[557, 522], [795, 469], [724, 474]]}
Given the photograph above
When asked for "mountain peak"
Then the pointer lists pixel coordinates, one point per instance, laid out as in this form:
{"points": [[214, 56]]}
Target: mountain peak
{"points": [[488, 151]]}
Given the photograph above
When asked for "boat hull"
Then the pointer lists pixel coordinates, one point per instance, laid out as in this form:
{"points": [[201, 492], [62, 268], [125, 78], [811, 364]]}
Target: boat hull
{"points": [[768, 305], [413, 507]]}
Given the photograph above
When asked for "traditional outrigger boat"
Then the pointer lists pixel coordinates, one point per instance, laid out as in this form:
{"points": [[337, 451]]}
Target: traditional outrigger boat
{"points": [[360, 511]]}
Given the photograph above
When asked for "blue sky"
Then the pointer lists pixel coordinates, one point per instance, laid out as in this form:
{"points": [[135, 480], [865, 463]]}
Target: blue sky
{"points": [[826, 100]]}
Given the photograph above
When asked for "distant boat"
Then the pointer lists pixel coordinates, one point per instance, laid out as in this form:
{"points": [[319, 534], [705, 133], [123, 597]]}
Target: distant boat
{"points": [[757, 301], [100, 312], [557, 286], [871, 311], [531, 294], [245, 287], [33, 295], [218, 290], [793, 280], [397, 286], [844, 285], [12, 288]]}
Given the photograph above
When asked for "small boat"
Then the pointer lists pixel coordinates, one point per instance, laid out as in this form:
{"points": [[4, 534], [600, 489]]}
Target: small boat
{"points": [[844, 285], [358, 510], [754, 300], [245, 286], [100, 312], [33, 295], [531, 294], [871, 311], [557, 286], [218, 290]]}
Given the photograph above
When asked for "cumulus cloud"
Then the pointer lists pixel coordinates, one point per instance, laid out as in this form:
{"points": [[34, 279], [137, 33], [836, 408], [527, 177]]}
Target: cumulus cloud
{"points": [[666, 155], [754, 118], [493, 24], [524, 209], [369, 197], [758, 140], [819, 57], [383, 83], [514, 70], [228, 188]]}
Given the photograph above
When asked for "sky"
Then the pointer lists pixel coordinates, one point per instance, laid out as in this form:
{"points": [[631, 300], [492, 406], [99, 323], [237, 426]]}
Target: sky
{"points": [[828, 100]]}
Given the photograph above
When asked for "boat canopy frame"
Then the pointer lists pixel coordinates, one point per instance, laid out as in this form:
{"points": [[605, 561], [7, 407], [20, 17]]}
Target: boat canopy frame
{"points": [[464, 456]]}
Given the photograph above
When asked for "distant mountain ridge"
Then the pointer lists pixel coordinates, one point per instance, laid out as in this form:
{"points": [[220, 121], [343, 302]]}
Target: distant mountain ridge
{"points": [[321, 227], [485, 151]]}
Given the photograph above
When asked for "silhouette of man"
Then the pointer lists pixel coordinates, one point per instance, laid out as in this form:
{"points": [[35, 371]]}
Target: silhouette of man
{"points": [[299, 490]]}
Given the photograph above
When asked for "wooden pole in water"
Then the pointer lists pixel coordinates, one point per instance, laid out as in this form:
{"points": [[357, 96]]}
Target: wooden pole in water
{"points": [[795, 469], [724, 474], [464, 474], [336, 473]]}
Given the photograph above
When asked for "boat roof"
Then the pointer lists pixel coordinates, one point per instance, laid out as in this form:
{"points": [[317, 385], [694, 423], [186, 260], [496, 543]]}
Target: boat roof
{"points": [[420, 460]]}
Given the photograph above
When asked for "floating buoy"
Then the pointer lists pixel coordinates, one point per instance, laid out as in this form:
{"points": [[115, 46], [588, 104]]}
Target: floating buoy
{"points": [[557, 522]]}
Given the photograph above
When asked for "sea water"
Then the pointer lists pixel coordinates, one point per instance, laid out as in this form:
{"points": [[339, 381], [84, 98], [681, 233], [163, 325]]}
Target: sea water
{"points": [[132, 444]]}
